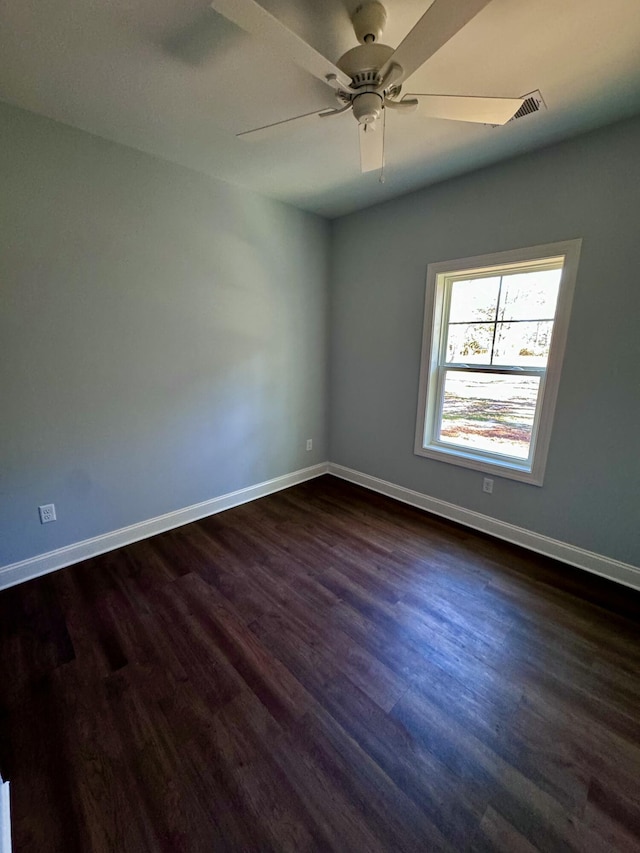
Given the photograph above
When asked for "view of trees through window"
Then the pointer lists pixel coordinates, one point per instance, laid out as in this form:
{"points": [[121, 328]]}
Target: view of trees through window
{"points": [[497, 345]]}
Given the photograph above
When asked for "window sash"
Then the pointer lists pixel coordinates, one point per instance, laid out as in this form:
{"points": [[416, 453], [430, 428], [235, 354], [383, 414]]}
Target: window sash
{"points": [[545, 265], [449, 446], [493, 368]]}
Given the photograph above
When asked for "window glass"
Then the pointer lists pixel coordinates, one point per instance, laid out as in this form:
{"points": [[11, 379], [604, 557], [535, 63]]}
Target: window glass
{"points": [[470, 343], [529, 295], [488, 412], [474, 299], [522, 343]]}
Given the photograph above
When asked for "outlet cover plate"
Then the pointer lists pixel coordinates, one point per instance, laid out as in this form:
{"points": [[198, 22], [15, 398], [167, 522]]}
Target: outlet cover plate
{"points": [[47, 513]]}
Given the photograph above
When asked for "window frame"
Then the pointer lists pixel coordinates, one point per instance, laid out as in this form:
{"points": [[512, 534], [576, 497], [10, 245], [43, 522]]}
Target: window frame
{"points": [[433, 364]]}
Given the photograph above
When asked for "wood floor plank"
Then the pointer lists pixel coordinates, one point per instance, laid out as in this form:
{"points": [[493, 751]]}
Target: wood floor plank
{"points": [[529, 808], [496, 834], [322, 669], [353, 779]]}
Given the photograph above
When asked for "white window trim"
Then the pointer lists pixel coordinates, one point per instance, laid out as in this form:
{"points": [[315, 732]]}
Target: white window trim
{"points": [[509, 468]]}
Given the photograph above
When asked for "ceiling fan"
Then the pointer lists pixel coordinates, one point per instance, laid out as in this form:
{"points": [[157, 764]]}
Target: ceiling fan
{"points": [[368, 79]]}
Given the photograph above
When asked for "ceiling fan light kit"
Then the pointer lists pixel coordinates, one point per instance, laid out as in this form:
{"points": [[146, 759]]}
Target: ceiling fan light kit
{"points": [[368, 78], [367, 107]]}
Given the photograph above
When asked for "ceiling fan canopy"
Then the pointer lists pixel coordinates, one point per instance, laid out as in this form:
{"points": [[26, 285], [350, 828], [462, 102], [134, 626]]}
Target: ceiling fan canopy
{"points": [[367, 79]]}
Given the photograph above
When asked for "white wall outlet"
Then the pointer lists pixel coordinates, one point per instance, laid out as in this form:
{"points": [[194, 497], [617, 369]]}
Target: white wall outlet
{"points": [[47, 513], [487, 485], [309, 444]]}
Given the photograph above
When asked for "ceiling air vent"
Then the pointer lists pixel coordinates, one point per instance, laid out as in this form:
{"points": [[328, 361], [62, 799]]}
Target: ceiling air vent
{"points": [[533, 103]]}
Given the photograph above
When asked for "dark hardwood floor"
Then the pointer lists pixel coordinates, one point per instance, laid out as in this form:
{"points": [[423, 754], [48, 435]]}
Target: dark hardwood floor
{"points": [[323, 669]]}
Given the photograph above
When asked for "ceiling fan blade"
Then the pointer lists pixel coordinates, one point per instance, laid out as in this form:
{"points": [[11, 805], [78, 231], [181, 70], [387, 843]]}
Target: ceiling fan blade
{"points": [[440, 22], [269, 129], [371, 146], [467, 108], [253, 18]]}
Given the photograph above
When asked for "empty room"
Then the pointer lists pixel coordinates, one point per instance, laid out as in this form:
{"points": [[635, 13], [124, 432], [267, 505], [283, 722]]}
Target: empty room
{"points": [[320, 405]]}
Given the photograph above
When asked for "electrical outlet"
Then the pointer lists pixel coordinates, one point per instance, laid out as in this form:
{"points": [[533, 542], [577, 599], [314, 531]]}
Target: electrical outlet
{"points": [[487, 485], [309, 444], [47, 513]]}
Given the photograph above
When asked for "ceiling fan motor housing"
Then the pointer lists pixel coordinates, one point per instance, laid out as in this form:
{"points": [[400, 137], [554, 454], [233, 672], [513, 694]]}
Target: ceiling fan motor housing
{"points": [[363, 63]]}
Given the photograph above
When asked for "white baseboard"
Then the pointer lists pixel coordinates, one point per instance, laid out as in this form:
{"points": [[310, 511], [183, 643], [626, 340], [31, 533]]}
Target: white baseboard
{"points": [[15, 573], [614, 570], [42, 564], [5, 818]]}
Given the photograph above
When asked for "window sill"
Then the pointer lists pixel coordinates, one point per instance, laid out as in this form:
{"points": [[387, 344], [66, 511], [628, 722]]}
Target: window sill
{"points": [[507, 470]]}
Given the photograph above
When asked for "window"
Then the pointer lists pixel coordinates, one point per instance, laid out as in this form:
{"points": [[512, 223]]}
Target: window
{"points": [[494, 334]]}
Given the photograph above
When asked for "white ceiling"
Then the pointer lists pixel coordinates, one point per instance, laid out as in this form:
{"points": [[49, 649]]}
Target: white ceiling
{"points": [[173, 78]]}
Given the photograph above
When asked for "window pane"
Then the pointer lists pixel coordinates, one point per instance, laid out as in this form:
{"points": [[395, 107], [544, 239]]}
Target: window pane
{"points": [[529, 295], [475, 299], [523, 344], [470, 343], [489, 412]]}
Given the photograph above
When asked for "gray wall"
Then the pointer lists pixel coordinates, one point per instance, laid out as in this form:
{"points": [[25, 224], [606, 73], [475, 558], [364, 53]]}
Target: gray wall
{"points": [[588, 187], [162, 336]]}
